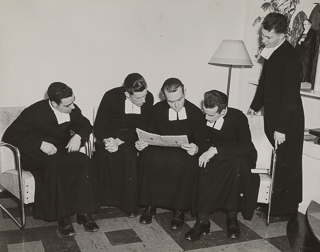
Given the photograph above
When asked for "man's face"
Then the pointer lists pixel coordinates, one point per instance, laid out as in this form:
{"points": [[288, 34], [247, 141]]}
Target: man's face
{"points": [[137, 98], [66, 105], [306, 25], [175, 99], [212, 114], [271, 39]]}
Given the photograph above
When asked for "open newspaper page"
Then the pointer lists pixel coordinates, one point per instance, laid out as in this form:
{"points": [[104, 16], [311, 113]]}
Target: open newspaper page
{"points": [[167, 141]]}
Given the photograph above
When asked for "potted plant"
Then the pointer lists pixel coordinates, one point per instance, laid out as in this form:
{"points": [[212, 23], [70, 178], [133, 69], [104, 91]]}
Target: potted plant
{"points": [[285, 7]]}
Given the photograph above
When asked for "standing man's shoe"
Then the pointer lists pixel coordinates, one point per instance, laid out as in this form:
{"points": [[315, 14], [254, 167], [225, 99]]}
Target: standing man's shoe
{"points": [[198, 229], [148, 213], [65, 228], [177, 220], [87, 222], [233, 229]]}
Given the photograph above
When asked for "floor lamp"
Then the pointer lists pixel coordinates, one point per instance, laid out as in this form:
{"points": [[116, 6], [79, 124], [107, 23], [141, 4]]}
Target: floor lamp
{"points": [[231, 53]]}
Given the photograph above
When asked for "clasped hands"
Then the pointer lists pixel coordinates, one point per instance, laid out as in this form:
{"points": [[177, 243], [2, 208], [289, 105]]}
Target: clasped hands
{"points": [[73, 145], [111, 144], [192, 149]]}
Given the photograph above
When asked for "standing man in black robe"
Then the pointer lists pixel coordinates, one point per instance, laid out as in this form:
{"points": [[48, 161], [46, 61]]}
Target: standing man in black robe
{"points": [[168, 174], [49, 135], [306, 47], [279, 93], [225, 180], [121, 110]]}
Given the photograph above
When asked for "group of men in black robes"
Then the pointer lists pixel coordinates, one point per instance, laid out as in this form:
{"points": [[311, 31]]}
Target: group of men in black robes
{"points": [[125, 172], [211, 172]]}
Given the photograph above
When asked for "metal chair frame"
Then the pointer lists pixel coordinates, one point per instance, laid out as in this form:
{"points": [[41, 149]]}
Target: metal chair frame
{"points": [[270, 171], [16, 153]]}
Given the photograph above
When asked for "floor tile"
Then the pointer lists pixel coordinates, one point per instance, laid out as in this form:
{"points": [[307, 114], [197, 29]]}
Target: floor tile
{"points": [[118, 233], [280, 242], [120, 237], [250, 246], [26, 247], [19, 236], [215, 238], [89, 242], [258, 225], [3, 241], [15, 212]]}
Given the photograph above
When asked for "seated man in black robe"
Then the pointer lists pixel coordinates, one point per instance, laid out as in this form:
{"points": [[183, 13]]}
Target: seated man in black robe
{"points": [[225, 180], [121, 110], [168, 174], [49, 134]]}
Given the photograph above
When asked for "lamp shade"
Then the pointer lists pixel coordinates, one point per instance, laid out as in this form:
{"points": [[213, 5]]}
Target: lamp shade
{"points": [[231, 52]]}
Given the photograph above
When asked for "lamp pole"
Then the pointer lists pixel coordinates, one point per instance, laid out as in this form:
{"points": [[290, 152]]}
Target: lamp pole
{"points": [[229, 78]]}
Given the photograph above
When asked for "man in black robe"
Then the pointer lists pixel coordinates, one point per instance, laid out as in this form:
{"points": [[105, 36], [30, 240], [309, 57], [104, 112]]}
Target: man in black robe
{"points": [[278, 93], [168, 174], [121, 110], [225, 180], [306, 47], [49, 135]]}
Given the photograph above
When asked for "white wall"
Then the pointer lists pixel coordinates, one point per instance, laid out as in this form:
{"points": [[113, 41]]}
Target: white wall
{"points": [[91, 45]]}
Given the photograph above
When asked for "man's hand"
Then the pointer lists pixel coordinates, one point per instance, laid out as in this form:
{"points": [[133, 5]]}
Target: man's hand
{"points": [[206, 156], [279, 138], [111, 144], [141, 145], [48, 148], [192, 149], [74, 143]]}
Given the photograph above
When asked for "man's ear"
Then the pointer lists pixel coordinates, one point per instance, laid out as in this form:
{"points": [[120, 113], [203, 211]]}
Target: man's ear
{"points": [[54, 104], [127, 94], [185, 91], [223, 112]]}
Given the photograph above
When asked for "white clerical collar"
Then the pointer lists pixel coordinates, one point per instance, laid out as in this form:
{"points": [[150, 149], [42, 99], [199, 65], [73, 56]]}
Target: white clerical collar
{"points": [[131, 108], [267, 52], [181, 115], [306, 31], [61, 117], [217, 124]]}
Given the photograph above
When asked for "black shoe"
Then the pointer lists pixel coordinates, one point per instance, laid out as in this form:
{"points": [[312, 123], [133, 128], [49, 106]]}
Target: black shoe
{"points": [[233, 229], [131, 214], [87, 222], [65, 228], [148, 213], [198, 229], [177, 220]]}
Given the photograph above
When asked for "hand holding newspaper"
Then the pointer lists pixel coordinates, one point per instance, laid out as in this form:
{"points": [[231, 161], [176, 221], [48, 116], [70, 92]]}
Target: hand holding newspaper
{"points": [[167, 141]]}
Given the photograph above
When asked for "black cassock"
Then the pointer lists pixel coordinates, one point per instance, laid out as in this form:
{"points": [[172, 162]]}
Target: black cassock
{"points": [[117, 171], [227, 182], [278, 93], [65, 182], [306, 53], [168, 174]]}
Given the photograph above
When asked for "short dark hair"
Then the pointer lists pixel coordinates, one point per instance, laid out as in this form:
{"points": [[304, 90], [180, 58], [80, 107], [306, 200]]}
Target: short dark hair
{"points": [[134, 82], [275, 21], [171, 85], [58, 91], [215, 98]]}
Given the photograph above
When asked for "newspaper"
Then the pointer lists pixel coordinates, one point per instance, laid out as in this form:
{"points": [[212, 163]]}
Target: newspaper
{"points": [[167, 141]]}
